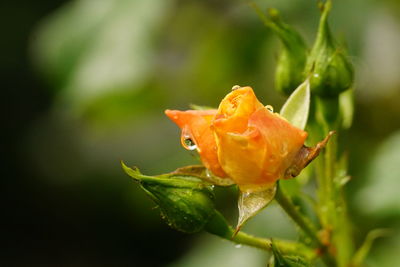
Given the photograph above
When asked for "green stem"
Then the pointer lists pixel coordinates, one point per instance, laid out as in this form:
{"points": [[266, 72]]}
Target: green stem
{"points": [[252, 241], [218, 226], [286, 203], [337, 210], [286, 247], [304, 223], [330, 152]]}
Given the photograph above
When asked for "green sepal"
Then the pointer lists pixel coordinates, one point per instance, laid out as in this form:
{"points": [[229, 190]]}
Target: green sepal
{"points": [[251, 203], [297, 106], [185, 202], [202, 173], [287, 260]]}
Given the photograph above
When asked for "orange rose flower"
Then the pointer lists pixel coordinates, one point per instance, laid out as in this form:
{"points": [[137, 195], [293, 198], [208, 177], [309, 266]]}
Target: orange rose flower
{"points": [[255, 145], [242, 140]]}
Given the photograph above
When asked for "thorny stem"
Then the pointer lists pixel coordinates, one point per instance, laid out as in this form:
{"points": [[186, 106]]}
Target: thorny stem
{"points": [[304, 223]]}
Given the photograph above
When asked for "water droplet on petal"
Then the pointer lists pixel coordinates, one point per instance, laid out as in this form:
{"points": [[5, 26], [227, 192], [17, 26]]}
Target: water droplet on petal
{"points": [[187, 140], [235, 87], [189, 144], [270, 108]]}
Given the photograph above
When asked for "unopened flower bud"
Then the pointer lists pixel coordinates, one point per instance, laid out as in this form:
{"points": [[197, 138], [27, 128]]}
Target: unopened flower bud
{"points": [[186, 203], [293, 57], [331, 72]]}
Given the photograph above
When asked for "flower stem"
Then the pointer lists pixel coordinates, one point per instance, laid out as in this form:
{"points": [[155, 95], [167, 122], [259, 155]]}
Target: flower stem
{"points": [[286, 203], [218, 226], [285, 247], [336, 209], [252, 241], [304, 223]]}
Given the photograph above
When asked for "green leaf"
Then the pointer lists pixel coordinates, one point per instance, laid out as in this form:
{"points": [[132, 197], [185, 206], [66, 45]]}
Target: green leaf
{"points": [[251, 203], [297, 107]]}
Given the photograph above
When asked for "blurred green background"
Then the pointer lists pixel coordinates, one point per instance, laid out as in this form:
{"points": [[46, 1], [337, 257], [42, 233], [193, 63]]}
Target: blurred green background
{"points": [[85, 84]]}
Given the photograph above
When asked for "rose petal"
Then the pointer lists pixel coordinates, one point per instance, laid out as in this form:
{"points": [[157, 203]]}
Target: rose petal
{"points": [[195, 125]]}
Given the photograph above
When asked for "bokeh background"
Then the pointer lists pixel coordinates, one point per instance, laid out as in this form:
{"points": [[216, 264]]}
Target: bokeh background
{"points": [[85, 83]]}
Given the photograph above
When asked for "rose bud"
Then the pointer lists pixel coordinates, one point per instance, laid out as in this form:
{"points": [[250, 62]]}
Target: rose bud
{"points": [[185, 202], [244, 142], [331, 71], [255, 145], [247, 144], [293, 57]]}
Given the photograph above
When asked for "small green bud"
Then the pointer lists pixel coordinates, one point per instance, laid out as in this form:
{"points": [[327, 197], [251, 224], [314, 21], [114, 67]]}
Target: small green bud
{"points": [[293, 57], [185, 202], [331, 72]]}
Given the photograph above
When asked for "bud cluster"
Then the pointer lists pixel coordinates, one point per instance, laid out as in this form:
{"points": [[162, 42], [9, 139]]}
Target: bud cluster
{"points": [[326, 65]]}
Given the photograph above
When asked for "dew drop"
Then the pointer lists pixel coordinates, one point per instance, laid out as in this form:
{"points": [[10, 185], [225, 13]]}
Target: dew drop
{"points": [[186, 139], [238, 246], [189, 144], [235, 87], [316, 75], [270, 108]]}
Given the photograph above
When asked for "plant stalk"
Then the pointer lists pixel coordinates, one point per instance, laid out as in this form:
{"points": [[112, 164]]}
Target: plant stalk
{"points": [[218, 226], [305, 224]]}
